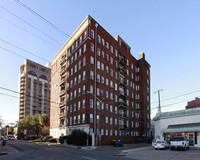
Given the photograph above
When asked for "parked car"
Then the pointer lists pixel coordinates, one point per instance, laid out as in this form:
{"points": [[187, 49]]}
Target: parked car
{"points": [[161, 145], [154, 141], [179, 142]]}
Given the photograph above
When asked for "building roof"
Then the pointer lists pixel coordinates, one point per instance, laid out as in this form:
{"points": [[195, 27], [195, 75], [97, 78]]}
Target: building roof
{"points": [[182, 128], [179, 113]]}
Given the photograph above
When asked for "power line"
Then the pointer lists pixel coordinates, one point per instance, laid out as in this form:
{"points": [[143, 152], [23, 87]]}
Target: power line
{"points": [[177, 96], [26, 95], [29, 32], [22, 50], [31, 25], [43, 19], [13, 52]]}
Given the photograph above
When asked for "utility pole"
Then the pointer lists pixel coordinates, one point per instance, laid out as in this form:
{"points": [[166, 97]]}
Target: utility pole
{"points": [[159, 106]]}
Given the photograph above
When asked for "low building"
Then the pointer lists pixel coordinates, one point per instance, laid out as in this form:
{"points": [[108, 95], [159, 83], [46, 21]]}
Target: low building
{"points": [[194, 103], [183, 122]]}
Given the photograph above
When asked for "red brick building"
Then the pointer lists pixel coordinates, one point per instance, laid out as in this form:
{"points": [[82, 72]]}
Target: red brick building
{"points": [[94, 64], [194, 103]]}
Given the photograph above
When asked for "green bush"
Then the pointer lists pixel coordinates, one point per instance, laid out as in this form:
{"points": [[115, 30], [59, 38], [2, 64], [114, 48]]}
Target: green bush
{"points": [[77, 137], [53, 140]]}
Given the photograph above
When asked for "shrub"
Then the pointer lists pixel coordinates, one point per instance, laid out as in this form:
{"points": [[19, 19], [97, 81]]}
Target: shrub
{"points": [[47, 138], [77, 137], [53, 140]]}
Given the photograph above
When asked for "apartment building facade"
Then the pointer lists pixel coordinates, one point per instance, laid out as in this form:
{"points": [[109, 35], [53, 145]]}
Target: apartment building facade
{"points": [[99, 87], [34, 89], [193, 104]]}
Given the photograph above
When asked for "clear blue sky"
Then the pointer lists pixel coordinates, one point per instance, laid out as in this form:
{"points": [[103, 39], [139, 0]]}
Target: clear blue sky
{"points": [[167, 31]]}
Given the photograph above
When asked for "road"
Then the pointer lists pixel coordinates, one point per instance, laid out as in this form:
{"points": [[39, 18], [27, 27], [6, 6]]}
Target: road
{"points": [[33, 151], [148, 153]]}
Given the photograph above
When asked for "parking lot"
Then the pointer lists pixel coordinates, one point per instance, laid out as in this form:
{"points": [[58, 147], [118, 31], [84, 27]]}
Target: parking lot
{"points": [[149, 153]]}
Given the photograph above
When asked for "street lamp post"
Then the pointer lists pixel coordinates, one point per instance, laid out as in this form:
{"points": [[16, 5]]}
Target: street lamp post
{"points": [[97, 123]]}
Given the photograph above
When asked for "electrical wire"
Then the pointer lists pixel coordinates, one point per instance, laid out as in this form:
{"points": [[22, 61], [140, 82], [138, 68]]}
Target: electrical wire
{"points": [[29, 32], [31, 25], [22, 50], [43, 19]]}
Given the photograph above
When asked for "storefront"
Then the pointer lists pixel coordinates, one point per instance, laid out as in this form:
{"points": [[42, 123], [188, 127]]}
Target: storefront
{"points": [[179, 123]]}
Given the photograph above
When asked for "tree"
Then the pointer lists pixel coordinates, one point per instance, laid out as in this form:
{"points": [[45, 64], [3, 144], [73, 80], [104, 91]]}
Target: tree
{"points": [[33, 123]]}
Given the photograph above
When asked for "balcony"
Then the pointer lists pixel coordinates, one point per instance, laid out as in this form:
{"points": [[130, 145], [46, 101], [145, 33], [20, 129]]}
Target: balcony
{"points": [[122, 96], [45, 85], [122, 84], [63, 70], [122, 116], [62, 81], [62, 93], [62, 104], [63, 60], [122, 127], [62, 115], [122, 62]]}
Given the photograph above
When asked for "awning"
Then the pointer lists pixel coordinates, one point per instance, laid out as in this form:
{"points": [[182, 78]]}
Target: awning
{"points": [[190, 127]]}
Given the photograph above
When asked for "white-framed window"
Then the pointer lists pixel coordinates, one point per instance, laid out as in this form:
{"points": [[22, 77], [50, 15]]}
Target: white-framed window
{"points": [[106, 132], [116, 53], [80, 52], [83, 89], [83, 105], [74, 93], [102, 79], [91, 75], [85, 34], [98, 64], [80, 39], [103, 54], [107, 45], [98, 52], [111, 49], [102, 132], [102, 66], [92, 47], [91, 103], [83, 118], [84, 48], [98, 78], [75, 56], [79, 105], [92, 33], [74, 119], [106, 119], [91, 117], [98, 105], [91, 60], [103, 42], [99, 39], [84, 75], [79, 118], [115, 110], [74, 106], [84, 61], [79, 78], [111, 108], [91, 88], [79, 65], [111, 121]]}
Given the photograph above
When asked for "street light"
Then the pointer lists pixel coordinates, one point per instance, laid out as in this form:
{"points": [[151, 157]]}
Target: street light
{"points": [[101, 101]]}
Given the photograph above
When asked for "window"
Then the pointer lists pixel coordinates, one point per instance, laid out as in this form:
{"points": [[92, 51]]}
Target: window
{"points": [[76, 44], [107, 70], [102, 66], [84, 48], [79, 91], [107, 83], [107, 45], [116, 53], [74, 106], [84, 61], [98, 64], [74, 93], [80, 39], [102, 132], [116, 75], [74, 119], [91, 88], [111, 84], [111, 132], [111, 96], [91, 60], [85, 34], [83, 118], [116, 86], [75, 81], [83, 105], [111, 49], [102, 79], [84, 75], [106, 132], [102, 54], [91, 75], [79, 78], [92, 47], [80, 51], [91, 117], [71, 71], [111, 108], [111, 72], [75, 68], [91, 103], [110, 120], [79, 117], [116, 64], [98, 52], [98, 78], [107, 57], [98, 105], [120, 43], [107, 107], [115, 132], [111, 60], [106, 94], [115, 110], [98, 92], [106, 119], [75, 56], [83, 89], [79, 65], [79, 105], [103, 42], [99, 39], [92, 33]]}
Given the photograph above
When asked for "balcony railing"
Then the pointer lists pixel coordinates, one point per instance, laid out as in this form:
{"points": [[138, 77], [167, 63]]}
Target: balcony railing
{"points": [[62, 104], [62, 92], [122, 127], [122, 96], [63, 60], [121, 115], [62, 114], [63, 70], [62, 81]]}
